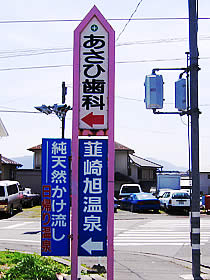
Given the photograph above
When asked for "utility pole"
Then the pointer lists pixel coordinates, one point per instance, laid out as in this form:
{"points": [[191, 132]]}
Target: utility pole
{"points": [[195, 208], [64, 92]]}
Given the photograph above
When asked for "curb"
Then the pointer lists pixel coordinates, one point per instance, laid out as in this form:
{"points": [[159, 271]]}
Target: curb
{"points": [[83, 277]]}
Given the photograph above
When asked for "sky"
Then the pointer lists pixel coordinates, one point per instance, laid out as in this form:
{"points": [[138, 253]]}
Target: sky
{"points": [[145, 43]]}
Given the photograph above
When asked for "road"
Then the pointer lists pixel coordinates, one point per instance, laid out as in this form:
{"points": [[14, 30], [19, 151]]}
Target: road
{"points": [[158, 237], [21, 234], [162, 233]]}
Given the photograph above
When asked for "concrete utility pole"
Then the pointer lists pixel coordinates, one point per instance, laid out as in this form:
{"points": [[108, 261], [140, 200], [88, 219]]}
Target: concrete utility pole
{"points": [[195, 208], [64, 89]]}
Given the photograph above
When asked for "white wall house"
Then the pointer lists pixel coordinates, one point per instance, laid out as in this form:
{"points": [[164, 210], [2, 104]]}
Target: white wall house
{"points": [[205, 182], [186, 183]]}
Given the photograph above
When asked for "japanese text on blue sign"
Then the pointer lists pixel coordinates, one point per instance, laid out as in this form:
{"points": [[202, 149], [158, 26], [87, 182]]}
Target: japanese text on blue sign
{"points": [[92, 197], [55, 197]]}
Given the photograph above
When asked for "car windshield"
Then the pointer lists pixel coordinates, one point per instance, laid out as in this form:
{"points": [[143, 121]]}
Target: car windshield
{"points": [[130, 189], [144, 196], [2, 191], [180, 196]]}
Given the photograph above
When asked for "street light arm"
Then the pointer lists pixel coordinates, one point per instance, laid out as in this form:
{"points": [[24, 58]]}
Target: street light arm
{"points": [[44, 109]]}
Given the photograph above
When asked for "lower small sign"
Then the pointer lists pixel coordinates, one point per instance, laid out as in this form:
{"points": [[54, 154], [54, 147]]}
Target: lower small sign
{"points": [[92, 225], [55, 204]]}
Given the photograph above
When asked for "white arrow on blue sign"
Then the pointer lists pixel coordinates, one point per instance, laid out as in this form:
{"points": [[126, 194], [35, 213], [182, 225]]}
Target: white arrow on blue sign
{"points": [[90, 246]]}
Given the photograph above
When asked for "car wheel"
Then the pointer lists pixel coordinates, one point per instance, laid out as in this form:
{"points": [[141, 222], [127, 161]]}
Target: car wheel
{"points": [[165, 208], [20, 208], [31, 203], [11, 211], [132, 208]]}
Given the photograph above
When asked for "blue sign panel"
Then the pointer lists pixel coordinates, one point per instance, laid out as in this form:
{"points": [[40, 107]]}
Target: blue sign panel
{"points": [[55, 219], [92, 225]]}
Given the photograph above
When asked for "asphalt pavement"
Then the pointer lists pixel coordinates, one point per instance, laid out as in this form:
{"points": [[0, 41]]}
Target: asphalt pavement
{"points": [[148, 267], [134, 263]]}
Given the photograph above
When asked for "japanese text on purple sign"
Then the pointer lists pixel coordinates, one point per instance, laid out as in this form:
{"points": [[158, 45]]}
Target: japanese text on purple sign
{"points": [[94, 66]]}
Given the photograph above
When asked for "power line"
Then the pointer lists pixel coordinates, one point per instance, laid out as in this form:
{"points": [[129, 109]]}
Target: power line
{"points": [[32, 112], [129, 19], [35, 67], [128, 98], [11, 54], [40, 51], [111, 19], [118, 62], [16, 111]]}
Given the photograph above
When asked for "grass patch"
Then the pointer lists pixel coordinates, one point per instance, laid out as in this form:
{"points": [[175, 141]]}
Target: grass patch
{"points": [[21, 266], [34, 212]]}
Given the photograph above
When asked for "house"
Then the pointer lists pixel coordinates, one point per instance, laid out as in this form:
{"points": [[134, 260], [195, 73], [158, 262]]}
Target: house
{"points": [[186, 182], [129, 168], [205, 181], [8, 168], [144, 172], [37, 158]]}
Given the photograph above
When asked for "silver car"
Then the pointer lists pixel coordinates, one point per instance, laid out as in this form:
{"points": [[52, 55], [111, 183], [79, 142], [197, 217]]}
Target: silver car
{"points": [[10, 197], [174, 200]]}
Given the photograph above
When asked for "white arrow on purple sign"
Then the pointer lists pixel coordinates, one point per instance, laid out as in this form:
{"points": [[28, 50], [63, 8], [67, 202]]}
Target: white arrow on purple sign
{"points": [[90, 246]]}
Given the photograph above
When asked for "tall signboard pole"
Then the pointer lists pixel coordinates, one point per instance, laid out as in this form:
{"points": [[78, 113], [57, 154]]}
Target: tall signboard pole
{"points": [[195, 214], [93, 142]]}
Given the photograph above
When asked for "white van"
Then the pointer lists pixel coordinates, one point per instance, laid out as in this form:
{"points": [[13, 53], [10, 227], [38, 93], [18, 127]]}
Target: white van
{"points": [[127, 189], [10, 197]]}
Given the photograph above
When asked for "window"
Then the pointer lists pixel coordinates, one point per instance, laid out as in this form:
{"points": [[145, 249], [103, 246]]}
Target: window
{"points": [[139, 173], [145, 174], [130, 189], [129, 166], [167, 194], [180, 196], [12, 189], [208, 176], [2, 193]]}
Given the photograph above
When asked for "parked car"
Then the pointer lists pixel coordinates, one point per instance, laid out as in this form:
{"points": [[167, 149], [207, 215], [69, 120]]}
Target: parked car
{"points": [[127, 189], [10, 197], [115, 204], [175, 200], [140, 201], [161, 192], [30, 199], [202, 202]]}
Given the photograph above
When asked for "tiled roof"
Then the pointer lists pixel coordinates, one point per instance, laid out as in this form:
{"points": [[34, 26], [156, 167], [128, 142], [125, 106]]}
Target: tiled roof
{"points": [[118, 147], [35, 148], [5, 160], [144, 162]]}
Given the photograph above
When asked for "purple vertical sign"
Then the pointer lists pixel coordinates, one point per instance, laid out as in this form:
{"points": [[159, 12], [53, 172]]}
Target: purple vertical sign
{"points": [[93, 115]]}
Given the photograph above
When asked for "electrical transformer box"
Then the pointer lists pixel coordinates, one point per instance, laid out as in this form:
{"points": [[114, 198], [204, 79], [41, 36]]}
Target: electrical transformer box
{"points": [[154, 91], [180, 95]]}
